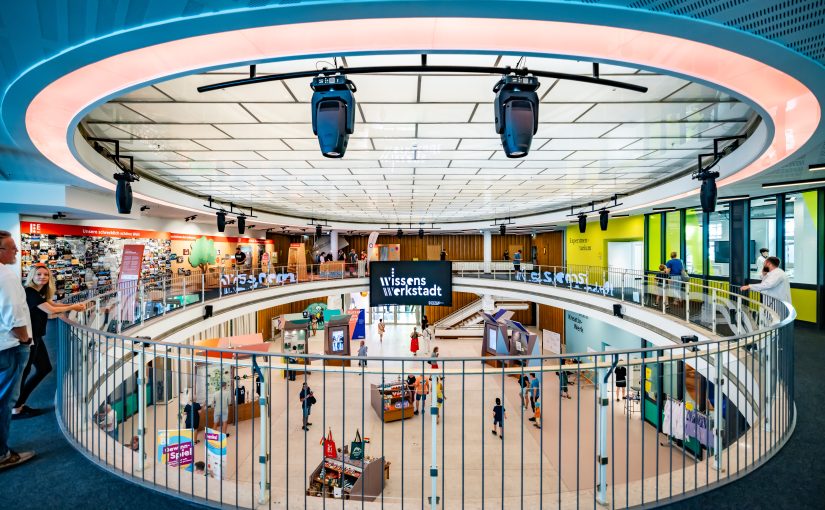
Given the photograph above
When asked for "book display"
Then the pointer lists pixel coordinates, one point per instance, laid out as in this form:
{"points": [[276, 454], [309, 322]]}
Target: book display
{"points": [[347, 478], [393, 401]]}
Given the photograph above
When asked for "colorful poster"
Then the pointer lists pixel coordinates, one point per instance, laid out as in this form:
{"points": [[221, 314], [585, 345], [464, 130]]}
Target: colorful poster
{"points": [[132, 262], [360, 331], [175, 448], [215, 453]]}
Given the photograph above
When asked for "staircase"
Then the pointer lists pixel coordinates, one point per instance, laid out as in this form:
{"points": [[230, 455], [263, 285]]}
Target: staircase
{"points": [[467, 321]]}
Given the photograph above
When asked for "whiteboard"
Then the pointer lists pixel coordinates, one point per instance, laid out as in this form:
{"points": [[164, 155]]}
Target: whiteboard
{"points": [[551, 341]]}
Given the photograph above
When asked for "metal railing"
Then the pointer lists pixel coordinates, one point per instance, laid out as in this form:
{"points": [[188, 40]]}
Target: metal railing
{"points": [[696, 416]]}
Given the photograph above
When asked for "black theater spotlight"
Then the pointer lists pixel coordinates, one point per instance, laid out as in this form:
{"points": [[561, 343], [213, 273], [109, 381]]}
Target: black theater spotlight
{"points": [[333, 113], [604, 215], [319, 231], [517, 113], [241, 224], [708, 192], [400, 233], [221, 215], [123, 192], [582, 223], [190, 218], [58, 215], [421, 233], [144, 208], [502, 229]]}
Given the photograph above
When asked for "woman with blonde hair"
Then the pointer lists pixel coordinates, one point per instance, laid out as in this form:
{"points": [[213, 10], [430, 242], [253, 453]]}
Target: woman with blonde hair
{"points": [[39, 294]]}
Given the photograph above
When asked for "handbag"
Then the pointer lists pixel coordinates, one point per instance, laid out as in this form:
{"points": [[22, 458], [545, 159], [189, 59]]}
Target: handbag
{"points": [[312, 400], [330, 451], [356, 449]]}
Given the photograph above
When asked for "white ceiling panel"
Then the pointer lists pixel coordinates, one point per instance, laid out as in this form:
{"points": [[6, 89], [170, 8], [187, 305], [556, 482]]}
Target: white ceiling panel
{"points": [[185, 90], [267, 130], [278, 112], [641, 112], [385, 88], [343, 163], [577, 130], [671, 143], [485, 163], [220, 165], [160, 145], [310, 144], [193, 113], [673, 154], [659, 87], [239, 145], [167, 131], [660, 130], [412, 163], [384, 131], [225, 155], [535, 155], [458, 89], [466, 130], [115, 112], [275, 163], [425, 113], [159, 156], [723, 112], [430, 144], [699, 92], [553, 164], [575, 144], [553, 112]]}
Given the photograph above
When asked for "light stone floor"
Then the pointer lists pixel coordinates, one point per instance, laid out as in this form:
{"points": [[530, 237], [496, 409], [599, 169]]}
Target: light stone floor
{"points": [[474, 465]]}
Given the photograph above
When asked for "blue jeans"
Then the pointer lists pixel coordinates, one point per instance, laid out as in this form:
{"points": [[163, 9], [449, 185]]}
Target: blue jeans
{"points": [[12, 363]]}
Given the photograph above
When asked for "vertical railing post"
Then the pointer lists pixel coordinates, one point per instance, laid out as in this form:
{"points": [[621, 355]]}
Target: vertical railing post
{"points": [[664, 293], [687, 301], [183, 292], [717, 413], [203, 287], [767, 349], [98, 318], [141, 383], [119, 309], [624, 279], [601, 458], [142, 301], [713, 308], [163, 294], [739, 315], [434, 499]]}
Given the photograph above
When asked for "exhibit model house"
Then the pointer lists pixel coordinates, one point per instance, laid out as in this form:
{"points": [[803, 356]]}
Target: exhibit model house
{"points": [[373, 254]]}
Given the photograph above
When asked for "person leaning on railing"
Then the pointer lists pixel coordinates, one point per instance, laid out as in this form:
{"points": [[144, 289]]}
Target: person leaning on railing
{"points": [[15, 339], [775, 282]]}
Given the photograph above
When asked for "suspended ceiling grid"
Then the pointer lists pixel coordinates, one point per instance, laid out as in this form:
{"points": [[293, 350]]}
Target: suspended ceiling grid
{"points": [[424, 148]]}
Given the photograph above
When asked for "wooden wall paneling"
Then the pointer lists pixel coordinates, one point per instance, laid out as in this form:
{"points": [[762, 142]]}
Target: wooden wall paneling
{"points": [[282, 243], [552, 319], [550, 247], [459, 247], [266, 315]]}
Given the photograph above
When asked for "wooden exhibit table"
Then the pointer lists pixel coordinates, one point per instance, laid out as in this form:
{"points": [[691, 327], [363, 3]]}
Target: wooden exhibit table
{"points": [[246, 411], [392, 394]]}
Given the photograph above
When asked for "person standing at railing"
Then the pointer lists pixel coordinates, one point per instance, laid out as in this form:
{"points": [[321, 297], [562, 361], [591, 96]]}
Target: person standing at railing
{"points": [[678, 274], [661, 284], [775, 282], [39, 290], [240, 258], [517, 261], [15, 339]]}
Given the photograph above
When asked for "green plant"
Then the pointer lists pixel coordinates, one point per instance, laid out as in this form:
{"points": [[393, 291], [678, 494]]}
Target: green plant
{"points": [[203, 253]]}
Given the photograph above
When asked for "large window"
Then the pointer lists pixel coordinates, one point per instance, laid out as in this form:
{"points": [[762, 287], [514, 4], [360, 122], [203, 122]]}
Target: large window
{"points": [[719, 242], [763, 233], [694, 226], [800, 237], [673, 235], [654, 242]]}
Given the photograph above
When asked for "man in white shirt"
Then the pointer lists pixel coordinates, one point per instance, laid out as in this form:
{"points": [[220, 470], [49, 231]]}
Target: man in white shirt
{"points": [[15, 339], [760, 260], [775, 282]]}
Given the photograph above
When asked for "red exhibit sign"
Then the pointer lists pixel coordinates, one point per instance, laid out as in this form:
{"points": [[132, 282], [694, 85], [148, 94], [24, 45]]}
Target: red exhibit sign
{"points": [[132, 262], [61, 229]]}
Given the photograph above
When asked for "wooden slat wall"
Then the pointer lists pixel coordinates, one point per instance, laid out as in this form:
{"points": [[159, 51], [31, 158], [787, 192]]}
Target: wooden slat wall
{"points": [[459, 247], [265, 316], [550, 247], [552, 319], [281, 247], [462, 299]]}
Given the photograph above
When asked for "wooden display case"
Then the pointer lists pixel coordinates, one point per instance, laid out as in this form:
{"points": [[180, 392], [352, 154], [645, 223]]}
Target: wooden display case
{"points": [[360, 478], [393, 394]]}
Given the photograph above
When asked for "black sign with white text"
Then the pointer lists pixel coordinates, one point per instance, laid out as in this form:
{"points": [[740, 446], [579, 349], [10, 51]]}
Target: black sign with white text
{"points": [[411, 283]]}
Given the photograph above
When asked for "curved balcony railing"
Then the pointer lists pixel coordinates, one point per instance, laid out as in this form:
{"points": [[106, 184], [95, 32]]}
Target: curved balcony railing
{"points": [[696, 416]]}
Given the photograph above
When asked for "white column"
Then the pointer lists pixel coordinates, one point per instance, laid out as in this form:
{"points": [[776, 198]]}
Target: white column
{"points": [[333, 244], [488, 251], [488, 303]]}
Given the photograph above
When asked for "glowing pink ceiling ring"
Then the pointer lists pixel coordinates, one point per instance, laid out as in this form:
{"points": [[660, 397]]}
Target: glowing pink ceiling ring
{"points": [[792, 107]]}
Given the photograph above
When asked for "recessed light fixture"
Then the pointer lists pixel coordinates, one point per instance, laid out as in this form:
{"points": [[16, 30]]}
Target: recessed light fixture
{"points": [[623, 215], [804, 182], [733, 198], [664, 208], [816, 167]]}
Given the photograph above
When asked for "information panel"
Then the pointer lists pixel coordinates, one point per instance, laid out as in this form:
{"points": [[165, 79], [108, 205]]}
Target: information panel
{"points": [[411, 283]]}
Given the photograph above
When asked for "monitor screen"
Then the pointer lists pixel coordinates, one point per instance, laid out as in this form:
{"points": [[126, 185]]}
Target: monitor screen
{"points": [[492, 336], [337, 344], [411, 283]]}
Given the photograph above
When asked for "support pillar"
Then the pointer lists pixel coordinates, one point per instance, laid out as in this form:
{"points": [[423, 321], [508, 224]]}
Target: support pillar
{"points": [[488, 251], [333, 244]]}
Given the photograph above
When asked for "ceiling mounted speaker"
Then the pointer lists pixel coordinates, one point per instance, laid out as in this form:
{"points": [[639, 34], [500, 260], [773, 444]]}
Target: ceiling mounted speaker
{"points": [[241, 224], [421, 233], [604, 216], [582, 223], [707, 195], [221, 215], [502, 229], [319, 231], [123, 193]]}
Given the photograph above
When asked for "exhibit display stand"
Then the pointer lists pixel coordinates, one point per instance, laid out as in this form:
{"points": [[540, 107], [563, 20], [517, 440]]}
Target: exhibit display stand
{"points": [[392, 401], [337, 339], [346, 478], [495, 341], [297, 261]]}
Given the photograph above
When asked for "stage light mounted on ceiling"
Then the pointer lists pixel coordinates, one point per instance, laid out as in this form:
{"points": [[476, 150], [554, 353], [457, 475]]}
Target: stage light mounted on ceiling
{"points": [[708, 191], [221, 215], [604, 216], [241, 224], [582, 223], [333, 113], [517, 113]]}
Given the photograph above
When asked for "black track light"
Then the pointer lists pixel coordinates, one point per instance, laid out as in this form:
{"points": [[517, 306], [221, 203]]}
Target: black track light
{"points": [[241, 224], [123, 192], [333, 113], [318, 231], [708, 193], [400, 233], [421, 233], [582, 223], [517, 113], [603, 217], [502, 229], [221, 220]]}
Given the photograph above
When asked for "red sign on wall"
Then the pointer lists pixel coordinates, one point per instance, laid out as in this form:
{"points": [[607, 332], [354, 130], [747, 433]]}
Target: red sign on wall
{"points": [[131, 263]]}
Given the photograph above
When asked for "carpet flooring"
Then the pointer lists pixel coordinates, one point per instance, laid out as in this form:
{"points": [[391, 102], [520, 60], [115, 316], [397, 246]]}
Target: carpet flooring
{"points": [[60, 477]]}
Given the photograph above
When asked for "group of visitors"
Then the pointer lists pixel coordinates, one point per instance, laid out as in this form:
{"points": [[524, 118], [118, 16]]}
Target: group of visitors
{"points": [[24, 312]]}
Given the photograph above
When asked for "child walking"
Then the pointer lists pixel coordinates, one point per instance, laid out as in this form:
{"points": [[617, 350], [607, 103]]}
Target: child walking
{"points": [[499, 415]]}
